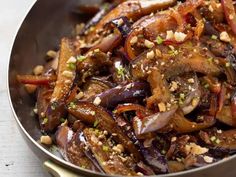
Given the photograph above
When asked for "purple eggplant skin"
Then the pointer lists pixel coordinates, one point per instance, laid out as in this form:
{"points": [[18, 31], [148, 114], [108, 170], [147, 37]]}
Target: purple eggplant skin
{"points": [[63, 135], [80, 140], [151, 155], [155, 159], [111, 162], [128, 93], [117, 64], [99, 117], [122, 24], [219, 153], [210, 30], [72, 148], [103, 11], [54, 112], [144, 169]]}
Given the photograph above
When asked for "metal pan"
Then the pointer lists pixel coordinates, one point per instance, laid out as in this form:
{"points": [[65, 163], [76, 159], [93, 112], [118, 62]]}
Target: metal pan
{"points": [[46, 23]]}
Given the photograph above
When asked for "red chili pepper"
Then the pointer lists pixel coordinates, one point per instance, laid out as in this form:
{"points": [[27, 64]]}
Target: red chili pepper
{"points": [[36, 80]]}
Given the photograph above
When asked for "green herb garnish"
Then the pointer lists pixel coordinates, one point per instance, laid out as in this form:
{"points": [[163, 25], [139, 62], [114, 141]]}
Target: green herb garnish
{"points": [[53, 149], [54, 105], [62, 120], [71, 66], [95, 124], [172, 51], [210, 59], [81, 58], [72, 105], [45, 120], [206, 86], [105, 148], [227, 64], [159, 40], [214, 37], [121, 71]]}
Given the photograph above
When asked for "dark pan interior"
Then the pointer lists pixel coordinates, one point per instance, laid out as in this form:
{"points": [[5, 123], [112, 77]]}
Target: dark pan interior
{"points": [[47, 22]]}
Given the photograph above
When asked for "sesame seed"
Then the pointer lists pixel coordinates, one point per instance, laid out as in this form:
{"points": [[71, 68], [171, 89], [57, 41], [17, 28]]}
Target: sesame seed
{"points": [[134, 40], [158, 53], [68, 74], [148, 43], [96, 50], [46, 140], [213, 138], [191, 80], [150, 55], [210, 8], [120, 22], [79, 95], [51, 54], [162, 107], [173, 139], [174, 86], [68, 81], [35, 111], [97, 101], [71, 60], [208, 159], [162, 63], [217, 141], [179, 36], [195, 101], [169, 34], [227, 64], [93, 113], [38, 70], [224, 36]]}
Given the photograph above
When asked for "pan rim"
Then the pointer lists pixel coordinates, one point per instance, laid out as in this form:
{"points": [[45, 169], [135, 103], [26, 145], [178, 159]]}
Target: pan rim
{"points": [[64, 162]]}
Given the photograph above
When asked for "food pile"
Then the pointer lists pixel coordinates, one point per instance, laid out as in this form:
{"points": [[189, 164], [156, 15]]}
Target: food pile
{"points": [[145, 87]]}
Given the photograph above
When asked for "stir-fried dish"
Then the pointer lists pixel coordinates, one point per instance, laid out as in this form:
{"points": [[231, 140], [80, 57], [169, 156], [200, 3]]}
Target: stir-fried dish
{"points": [[145, 87]]}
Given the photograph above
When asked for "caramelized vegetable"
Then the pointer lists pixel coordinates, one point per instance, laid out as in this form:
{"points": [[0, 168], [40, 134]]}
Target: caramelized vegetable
{"points": [[128, 93], [176, 62], [183, 125], [72, 147], [225, 116], [222, 139], [154, 27], [132, 10], [146, 87], [151, 154], [65, 78], [160, 91], [98, 117], [175, 166], [91, 63], [153, 122], [103, 152], [95, 86], [131, 107]]}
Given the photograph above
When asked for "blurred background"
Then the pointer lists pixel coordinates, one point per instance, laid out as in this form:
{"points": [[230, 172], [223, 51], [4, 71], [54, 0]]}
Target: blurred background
{"points": [[16, 159]]}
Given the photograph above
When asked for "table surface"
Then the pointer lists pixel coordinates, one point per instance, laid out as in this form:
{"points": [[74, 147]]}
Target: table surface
{"points": [[16, 159]]}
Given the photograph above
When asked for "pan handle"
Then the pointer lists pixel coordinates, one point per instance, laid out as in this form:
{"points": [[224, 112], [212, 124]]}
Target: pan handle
{"points": [[57, 170]]}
